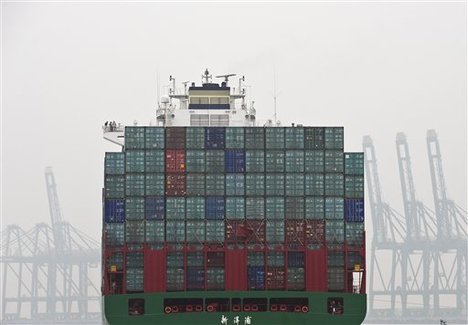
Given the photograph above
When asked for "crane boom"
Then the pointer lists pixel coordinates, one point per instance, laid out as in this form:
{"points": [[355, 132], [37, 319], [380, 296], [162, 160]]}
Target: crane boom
{"points": [[407, 187], [444, 226], [54, 205], [61, 244], [373, 185]]}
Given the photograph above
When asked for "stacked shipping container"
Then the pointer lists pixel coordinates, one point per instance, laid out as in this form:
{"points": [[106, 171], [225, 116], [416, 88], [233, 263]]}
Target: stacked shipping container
{"points": [[204, 208]]}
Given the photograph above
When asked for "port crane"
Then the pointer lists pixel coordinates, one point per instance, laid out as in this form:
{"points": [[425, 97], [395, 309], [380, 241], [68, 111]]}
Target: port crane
{"points": [[420, 226], [388, 235], [452, 225], [47, 271], [428, 248]]}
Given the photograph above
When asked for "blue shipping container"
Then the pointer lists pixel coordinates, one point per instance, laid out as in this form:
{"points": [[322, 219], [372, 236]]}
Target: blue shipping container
{"points": [[214, 208], [354, 210], [154, 208], [214, 138], [234, 161], [114, 211], [255, 277], [195, 278], [295, 259]]}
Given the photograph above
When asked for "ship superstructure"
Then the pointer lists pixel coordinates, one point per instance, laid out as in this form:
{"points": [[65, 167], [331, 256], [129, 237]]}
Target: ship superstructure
{"points": [[210, 104], [211, 219]]}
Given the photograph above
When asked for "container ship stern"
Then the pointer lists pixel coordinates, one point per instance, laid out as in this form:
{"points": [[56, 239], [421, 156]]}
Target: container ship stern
{"points": [[211, 219]]}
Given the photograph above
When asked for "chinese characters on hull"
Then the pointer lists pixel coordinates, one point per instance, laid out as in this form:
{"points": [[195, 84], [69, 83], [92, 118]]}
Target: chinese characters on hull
{"points": [[236, 320]]}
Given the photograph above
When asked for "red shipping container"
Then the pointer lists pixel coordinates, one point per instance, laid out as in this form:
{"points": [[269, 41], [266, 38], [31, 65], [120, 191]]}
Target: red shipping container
{"points": [[155, 270], [236, 270], [295, 232], [175, 161], [236, 231], [175, 185], [255, 231], [315, 232], [275, 278], [316, 270]]}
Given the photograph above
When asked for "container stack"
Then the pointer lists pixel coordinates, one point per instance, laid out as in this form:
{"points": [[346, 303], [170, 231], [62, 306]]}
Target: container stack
{"points": [[214, 208], [354, 209]]}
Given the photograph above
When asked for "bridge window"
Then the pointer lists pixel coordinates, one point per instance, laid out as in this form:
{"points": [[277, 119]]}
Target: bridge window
{"points": [[219, 100], [335, 306], [199, 119], [219, 120], [136, 307]]}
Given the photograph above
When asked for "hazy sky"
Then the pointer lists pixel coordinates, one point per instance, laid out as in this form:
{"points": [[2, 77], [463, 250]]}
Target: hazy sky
{"points": [[375, 68]]}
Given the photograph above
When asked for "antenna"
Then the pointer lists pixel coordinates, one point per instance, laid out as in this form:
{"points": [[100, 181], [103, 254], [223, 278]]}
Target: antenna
{"points": [[206, 76], [226, 77], [157, 89], [172, 89], [242, 92], [185, 86], [274, 94]]}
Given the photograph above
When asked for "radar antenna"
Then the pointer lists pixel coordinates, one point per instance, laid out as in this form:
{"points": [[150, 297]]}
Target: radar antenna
{"points": [[226, 77]]}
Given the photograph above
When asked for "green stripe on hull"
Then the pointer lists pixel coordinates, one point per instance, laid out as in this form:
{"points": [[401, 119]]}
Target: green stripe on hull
{"points": [[116, 309]]}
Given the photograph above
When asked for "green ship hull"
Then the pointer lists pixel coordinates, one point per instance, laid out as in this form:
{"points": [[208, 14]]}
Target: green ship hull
{"points": [[354, 309]]}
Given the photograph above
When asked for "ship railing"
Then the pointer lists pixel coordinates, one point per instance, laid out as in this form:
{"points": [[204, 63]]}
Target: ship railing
{"points": [[113, 128]]}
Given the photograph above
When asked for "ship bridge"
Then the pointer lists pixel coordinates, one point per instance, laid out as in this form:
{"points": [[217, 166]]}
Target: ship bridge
{"points": [[208, 104], [209, 96]]}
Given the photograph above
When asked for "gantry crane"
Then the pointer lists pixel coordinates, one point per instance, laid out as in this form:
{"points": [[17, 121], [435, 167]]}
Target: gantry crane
{"points": [[418, 251], [47, 269], [451, 230], [419, 219], [388, 236], [426, 261]]}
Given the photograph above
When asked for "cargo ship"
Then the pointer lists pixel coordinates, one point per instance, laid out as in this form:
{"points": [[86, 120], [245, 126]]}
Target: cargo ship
{"points": [[209, 218]]}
